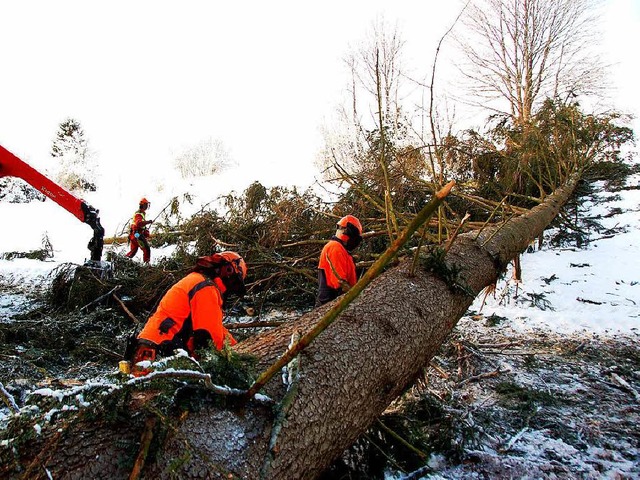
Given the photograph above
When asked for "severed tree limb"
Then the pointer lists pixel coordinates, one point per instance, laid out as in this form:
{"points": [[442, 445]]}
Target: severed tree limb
{"points": [[217, 241], [101, 297], [190, 375], [385, 454], [304, 242], [498, 345], [125, 309], [438, 369], [365, 236], [145, 443], [455, 233], [415, 450]]}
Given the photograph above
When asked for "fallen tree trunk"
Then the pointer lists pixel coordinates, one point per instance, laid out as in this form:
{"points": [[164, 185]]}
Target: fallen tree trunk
{"points": [[347, 377]]}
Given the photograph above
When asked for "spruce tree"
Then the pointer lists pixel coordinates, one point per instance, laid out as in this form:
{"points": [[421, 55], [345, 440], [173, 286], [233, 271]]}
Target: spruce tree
{"points": [[76, 167]]}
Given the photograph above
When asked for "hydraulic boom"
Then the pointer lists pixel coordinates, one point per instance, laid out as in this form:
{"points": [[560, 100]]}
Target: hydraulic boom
{"points": [[12, 166]]}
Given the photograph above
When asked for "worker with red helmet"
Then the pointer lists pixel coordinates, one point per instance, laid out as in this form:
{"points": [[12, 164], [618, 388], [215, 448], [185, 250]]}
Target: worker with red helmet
{"points": [[139, 233], [336, 268], [189, 315]]}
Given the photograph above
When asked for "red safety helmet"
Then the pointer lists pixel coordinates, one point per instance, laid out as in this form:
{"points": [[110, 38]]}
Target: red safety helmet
{"points": [[351, 231], [350, 219], [144, 201], [228, 262], [229, 267], [237, 262]]}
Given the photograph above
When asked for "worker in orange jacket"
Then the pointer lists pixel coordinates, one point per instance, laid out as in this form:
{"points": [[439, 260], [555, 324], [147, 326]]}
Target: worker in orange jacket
{"points": [[189, 315], [139, 233], [336, 268]]}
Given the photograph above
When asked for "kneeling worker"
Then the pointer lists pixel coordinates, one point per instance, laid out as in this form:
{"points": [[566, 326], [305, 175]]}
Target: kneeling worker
{"points": [[336, 268], [190, 313]]}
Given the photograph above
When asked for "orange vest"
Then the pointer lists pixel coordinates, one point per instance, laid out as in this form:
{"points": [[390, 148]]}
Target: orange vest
{"points": [[337, 263], [138, 223], [194, 303]]}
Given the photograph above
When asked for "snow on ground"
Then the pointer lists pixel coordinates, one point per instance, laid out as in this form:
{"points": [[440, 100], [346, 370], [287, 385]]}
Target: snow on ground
{"points": [[595, 289], [541, 405]]}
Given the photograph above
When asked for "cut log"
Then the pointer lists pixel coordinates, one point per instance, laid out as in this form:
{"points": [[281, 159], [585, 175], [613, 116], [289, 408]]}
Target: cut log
{"points": [[116, 240], [346, 378]]}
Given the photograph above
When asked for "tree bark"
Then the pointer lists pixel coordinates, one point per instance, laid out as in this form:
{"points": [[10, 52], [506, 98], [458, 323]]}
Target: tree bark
{"points": [[347, 378]]}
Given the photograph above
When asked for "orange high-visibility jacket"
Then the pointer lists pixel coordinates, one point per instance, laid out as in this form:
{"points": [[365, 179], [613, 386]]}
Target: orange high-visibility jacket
{"points": [[194, 303], [139, 223], [336, 262]]}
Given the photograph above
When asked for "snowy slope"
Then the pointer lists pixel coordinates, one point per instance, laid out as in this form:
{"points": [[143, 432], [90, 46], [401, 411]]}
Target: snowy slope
{"points": [[593, 289]]}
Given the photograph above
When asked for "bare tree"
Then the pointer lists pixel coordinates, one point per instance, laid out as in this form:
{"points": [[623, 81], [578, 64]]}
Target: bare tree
{"points": [[205, 158], [525, 51], [378, 68], [374, 149], [374, 103]]}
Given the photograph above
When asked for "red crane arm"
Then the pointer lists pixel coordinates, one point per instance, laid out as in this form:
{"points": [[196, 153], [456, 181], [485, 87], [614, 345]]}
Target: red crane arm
{"points": [[12, 166]]}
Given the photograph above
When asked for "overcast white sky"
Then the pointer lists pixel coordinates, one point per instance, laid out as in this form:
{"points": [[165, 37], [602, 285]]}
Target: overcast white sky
{"points": [[146, 78]]}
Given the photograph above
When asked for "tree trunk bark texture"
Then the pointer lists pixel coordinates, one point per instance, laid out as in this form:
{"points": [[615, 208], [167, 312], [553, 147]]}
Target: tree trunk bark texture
{"points": [[347, 377]]}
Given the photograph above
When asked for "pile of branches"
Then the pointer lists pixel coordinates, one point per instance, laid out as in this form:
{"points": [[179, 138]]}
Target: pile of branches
{"points": [[280, 232], [141, 287]]}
